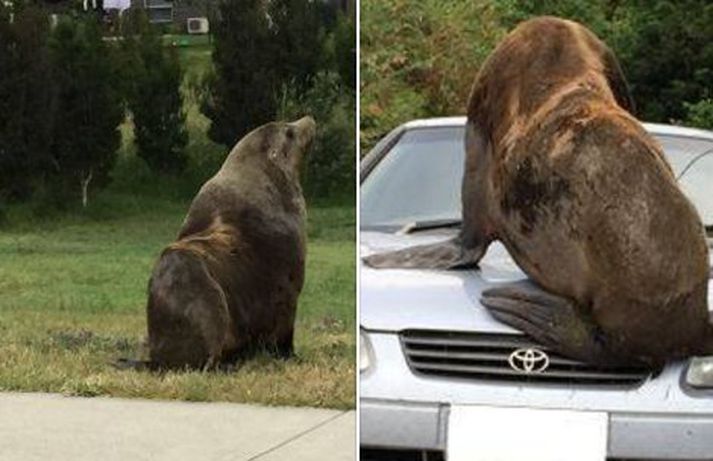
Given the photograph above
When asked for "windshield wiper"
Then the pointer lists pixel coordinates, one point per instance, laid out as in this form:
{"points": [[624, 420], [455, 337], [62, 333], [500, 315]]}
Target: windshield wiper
{"points": [[418, 226]]}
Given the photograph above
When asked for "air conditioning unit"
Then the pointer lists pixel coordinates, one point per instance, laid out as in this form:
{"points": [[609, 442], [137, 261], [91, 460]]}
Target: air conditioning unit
{"points": [[197, 25]]}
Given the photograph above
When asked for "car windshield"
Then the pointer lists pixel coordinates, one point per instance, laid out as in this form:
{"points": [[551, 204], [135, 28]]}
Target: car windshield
{"points": [[418, 180]]}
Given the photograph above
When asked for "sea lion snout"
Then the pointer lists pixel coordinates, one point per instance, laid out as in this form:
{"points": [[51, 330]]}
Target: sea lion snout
{"points": [[307, 129], [300, 135]]}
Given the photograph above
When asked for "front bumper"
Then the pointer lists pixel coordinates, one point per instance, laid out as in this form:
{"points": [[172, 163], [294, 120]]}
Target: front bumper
{"points": [[400, 410], [405, 425]]}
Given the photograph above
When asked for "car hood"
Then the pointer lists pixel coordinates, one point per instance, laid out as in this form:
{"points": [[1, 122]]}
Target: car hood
{"points": [[398, 299]]}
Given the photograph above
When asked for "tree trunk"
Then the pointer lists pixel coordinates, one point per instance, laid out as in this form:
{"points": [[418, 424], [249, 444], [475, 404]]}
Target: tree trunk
{"points": [[85, 187]]}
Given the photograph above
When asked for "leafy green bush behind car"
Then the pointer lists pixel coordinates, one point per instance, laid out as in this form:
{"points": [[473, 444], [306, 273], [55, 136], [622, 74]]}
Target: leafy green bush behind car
{"points": [[418, 59]]}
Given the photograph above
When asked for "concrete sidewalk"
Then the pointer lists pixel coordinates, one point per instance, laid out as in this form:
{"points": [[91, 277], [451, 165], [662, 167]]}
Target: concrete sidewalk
{"points": [[53, 427]]}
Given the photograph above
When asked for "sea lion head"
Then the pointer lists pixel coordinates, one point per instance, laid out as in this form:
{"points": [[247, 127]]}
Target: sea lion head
{"points": [[279, 144], [289, 142]]}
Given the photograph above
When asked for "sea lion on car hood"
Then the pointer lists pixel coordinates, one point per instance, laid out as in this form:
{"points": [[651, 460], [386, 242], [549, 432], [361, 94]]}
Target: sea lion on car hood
{"points": [[230, 282], [559, 170]]}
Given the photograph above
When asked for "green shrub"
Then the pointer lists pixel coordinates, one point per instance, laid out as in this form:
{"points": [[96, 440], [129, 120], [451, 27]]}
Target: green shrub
{"points": [[154, 97], [341, 49], [667, 55], [26, 101], [329, 170], [297, 36], [240, 90], [596, 15], [700, 114], [664, 47], [89, 108], [259, 47], [418, 59]]}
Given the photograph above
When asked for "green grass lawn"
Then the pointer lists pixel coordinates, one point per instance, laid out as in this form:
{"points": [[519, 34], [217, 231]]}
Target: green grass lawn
{"points": [[73, 289], [73, 294], [186, 40]]}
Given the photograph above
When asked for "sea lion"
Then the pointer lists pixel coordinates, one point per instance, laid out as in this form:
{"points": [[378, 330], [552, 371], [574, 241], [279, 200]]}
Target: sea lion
{"points": [[230, 282], [560, 171]]}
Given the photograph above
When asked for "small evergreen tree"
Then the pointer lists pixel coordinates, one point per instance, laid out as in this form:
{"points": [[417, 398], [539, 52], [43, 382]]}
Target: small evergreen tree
{"points": [[667, 55], [344, 38], [26, 100], [297, 37], [328, 170], [154, 97], [259, 47], [89, 106], [240, 91]]}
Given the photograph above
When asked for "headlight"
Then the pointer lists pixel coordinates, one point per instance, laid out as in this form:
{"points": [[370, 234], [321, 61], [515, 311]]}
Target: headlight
{"points": [[365, 352], [700, 372]]}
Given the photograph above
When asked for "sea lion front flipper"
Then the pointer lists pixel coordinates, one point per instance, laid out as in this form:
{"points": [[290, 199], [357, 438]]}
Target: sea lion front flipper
{"points": [[553, 321], [445, 255]]}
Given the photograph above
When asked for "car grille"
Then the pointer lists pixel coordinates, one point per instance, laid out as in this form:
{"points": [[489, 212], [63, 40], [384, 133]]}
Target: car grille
{"points": [[484, 357]]}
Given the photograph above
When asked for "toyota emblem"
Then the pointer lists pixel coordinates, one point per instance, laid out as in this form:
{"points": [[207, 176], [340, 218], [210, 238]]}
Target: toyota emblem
{"points": [[529, 360]]}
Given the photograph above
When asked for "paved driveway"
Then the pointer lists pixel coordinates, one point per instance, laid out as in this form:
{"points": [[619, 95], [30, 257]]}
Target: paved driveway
{"points": [[48, 426]]}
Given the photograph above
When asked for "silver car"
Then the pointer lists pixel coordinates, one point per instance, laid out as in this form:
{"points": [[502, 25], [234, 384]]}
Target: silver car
{"points": [[429, 349]]}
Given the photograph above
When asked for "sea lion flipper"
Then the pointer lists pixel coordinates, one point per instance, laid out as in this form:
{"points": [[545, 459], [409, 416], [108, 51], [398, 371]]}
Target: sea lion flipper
{"points": [[553, 321], [133, 364], [445, 255]]}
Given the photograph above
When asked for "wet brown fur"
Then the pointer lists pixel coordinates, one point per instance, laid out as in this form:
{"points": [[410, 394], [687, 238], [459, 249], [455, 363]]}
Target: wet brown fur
{"points": [[582, 196], [561, 172], [229, 284]]}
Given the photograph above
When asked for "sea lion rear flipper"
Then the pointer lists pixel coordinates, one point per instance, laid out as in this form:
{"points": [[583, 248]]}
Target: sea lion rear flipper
{"points": [[553, 321], [445, 255], [133, 364]]}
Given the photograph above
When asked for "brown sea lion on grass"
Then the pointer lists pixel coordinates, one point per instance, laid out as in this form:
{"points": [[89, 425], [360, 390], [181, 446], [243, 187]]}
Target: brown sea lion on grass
{"points": [[559, 170], [229, 283]]}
